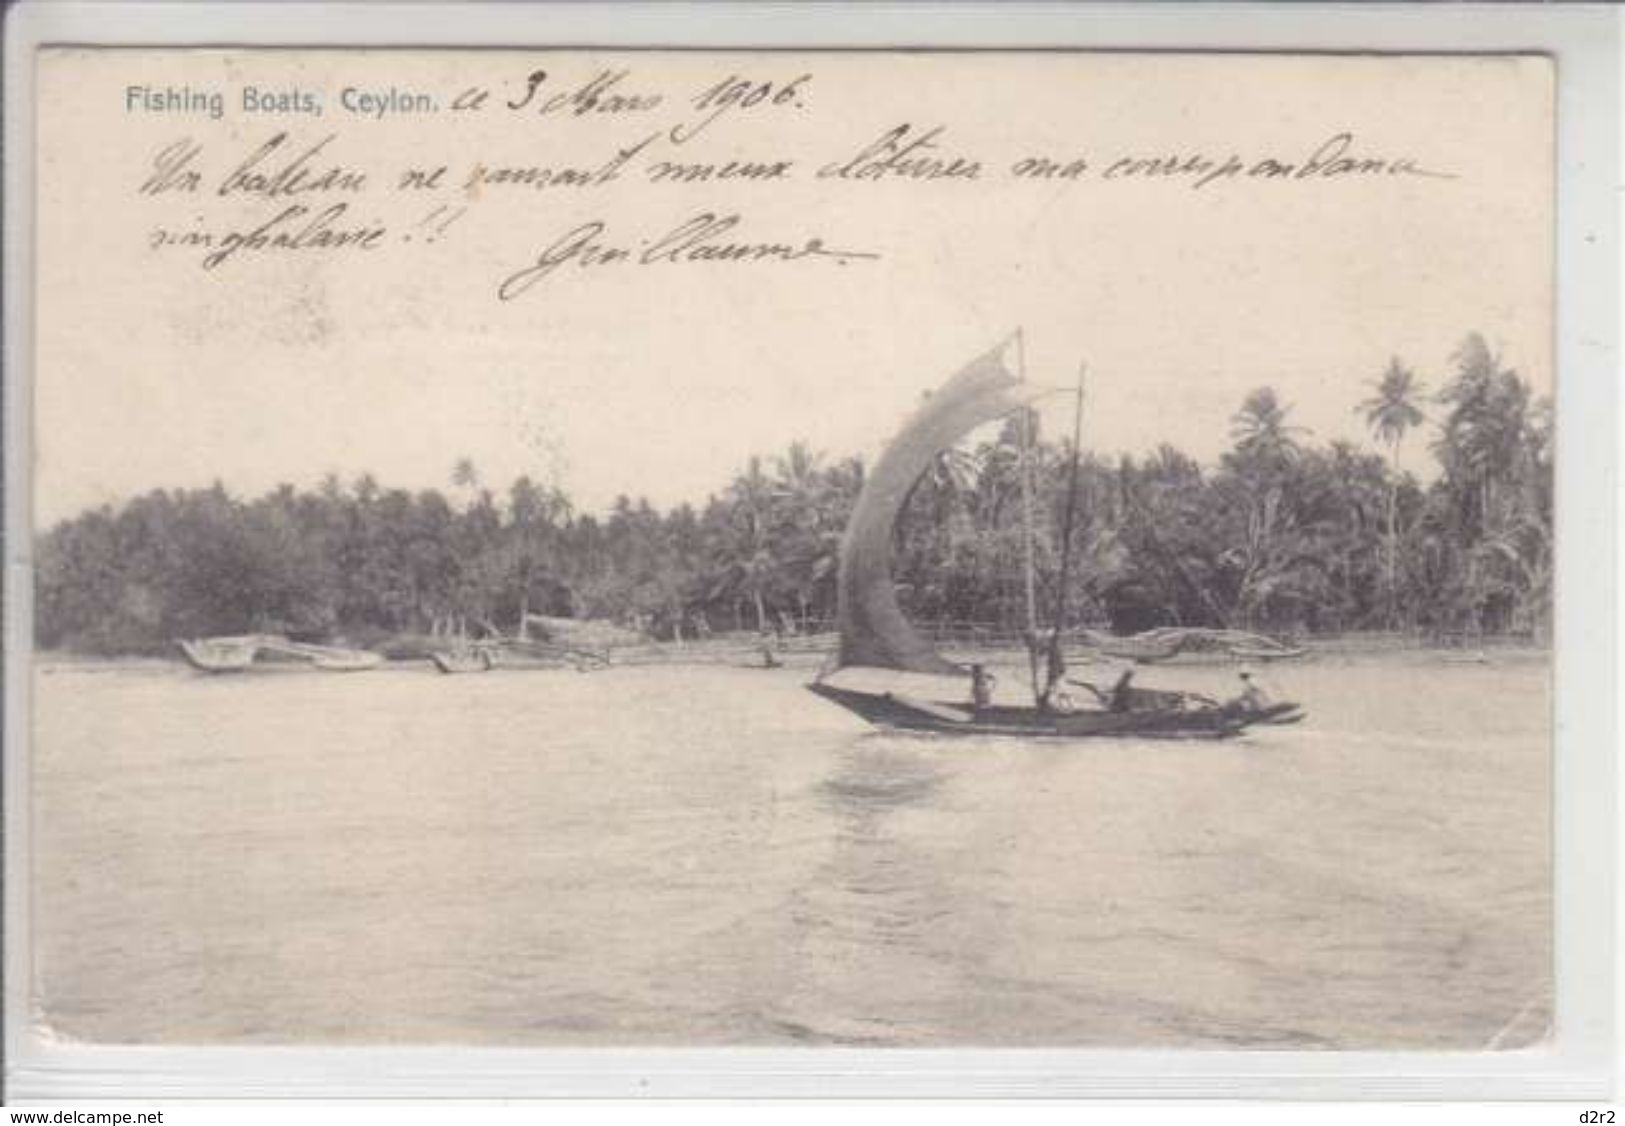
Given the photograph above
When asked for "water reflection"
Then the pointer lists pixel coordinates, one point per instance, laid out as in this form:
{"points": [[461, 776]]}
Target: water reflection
{"points": [[862, 926], [875, 774]]}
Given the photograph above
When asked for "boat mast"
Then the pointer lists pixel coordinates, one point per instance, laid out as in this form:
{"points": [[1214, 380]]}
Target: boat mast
{"points": [[1028, 444], [1055, 662]]}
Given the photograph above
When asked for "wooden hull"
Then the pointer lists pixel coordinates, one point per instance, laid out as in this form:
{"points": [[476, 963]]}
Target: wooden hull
{"points": [[236, 654], [1143, 651], [359, 661], [894, 711], [1264, 654], [218, 657], [1169, 642], [517, 656], [450, 663]]}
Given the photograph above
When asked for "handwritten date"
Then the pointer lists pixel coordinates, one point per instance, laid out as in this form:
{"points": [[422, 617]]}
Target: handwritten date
{"points": [[735, 94]]}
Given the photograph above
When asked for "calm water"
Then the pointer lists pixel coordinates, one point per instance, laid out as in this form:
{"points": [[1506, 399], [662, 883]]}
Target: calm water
{"points": [[672, 855]]}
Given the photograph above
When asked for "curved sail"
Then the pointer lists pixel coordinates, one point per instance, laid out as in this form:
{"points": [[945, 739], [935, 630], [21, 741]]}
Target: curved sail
{"points": [[874, 632]]}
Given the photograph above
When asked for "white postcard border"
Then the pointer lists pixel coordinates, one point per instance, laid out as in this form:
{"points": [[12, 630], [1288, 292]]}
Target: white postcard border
{"points": [[1578, 1060]]}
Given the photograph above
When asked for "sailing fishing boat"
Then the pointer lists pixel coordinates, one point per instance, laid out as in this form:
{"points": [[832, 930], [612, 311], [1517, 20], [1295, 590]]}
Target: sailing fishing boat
{"points": [[875, 635]]}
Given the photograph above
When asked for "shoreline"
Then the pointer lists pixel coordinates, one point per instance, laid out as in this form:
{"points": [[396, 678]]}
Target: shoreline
{"points": [[810, 651]]}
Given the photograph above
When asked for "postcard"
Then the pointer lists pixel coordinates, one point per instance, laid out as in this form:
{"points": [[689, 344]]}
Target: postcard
{"points": [[802, 549]]}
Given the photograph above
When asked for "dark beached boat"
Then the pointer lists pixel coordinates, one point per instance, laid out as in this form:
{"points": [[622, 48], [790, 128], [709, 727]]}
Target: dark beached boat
{"points": [[518, 653], [875, 635], [477, 659]]}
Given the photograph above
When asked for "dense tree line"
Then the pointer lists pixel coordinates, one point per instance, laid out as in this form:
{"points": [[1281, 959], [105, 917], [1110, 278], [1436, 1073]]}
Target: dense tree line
{"points": [[1282, 535]]}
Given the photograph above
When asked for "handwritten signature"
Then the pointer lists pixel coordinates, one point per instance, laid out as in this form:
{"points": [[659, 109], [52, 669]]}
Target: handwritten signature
{"points": [[706, 237]]}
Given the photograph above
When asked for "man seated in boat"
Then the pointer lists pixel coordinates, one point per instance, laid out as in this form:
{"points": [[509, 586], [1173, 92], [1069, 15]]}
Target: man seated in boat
{"points": [[1122, 692], [981, 687], [1055, 697], [1252, 698], [1120, 696]]}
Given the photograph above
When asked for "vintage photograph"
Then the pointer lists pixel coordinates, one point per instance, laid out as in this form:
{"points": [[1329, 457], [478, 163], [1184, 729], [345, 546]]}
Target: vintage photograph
{"points": [[871, 549]]}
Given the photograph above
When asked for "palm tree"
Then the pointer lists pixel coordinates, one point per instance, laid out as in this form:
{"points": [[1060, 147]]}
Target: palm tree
{"points": [[749, 561], [1390, 413], [1493, 448], [1261, 467], [1260, 429], [808, 516], [530, 518], [464, 476], [797, 469], [1482, 439]]}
